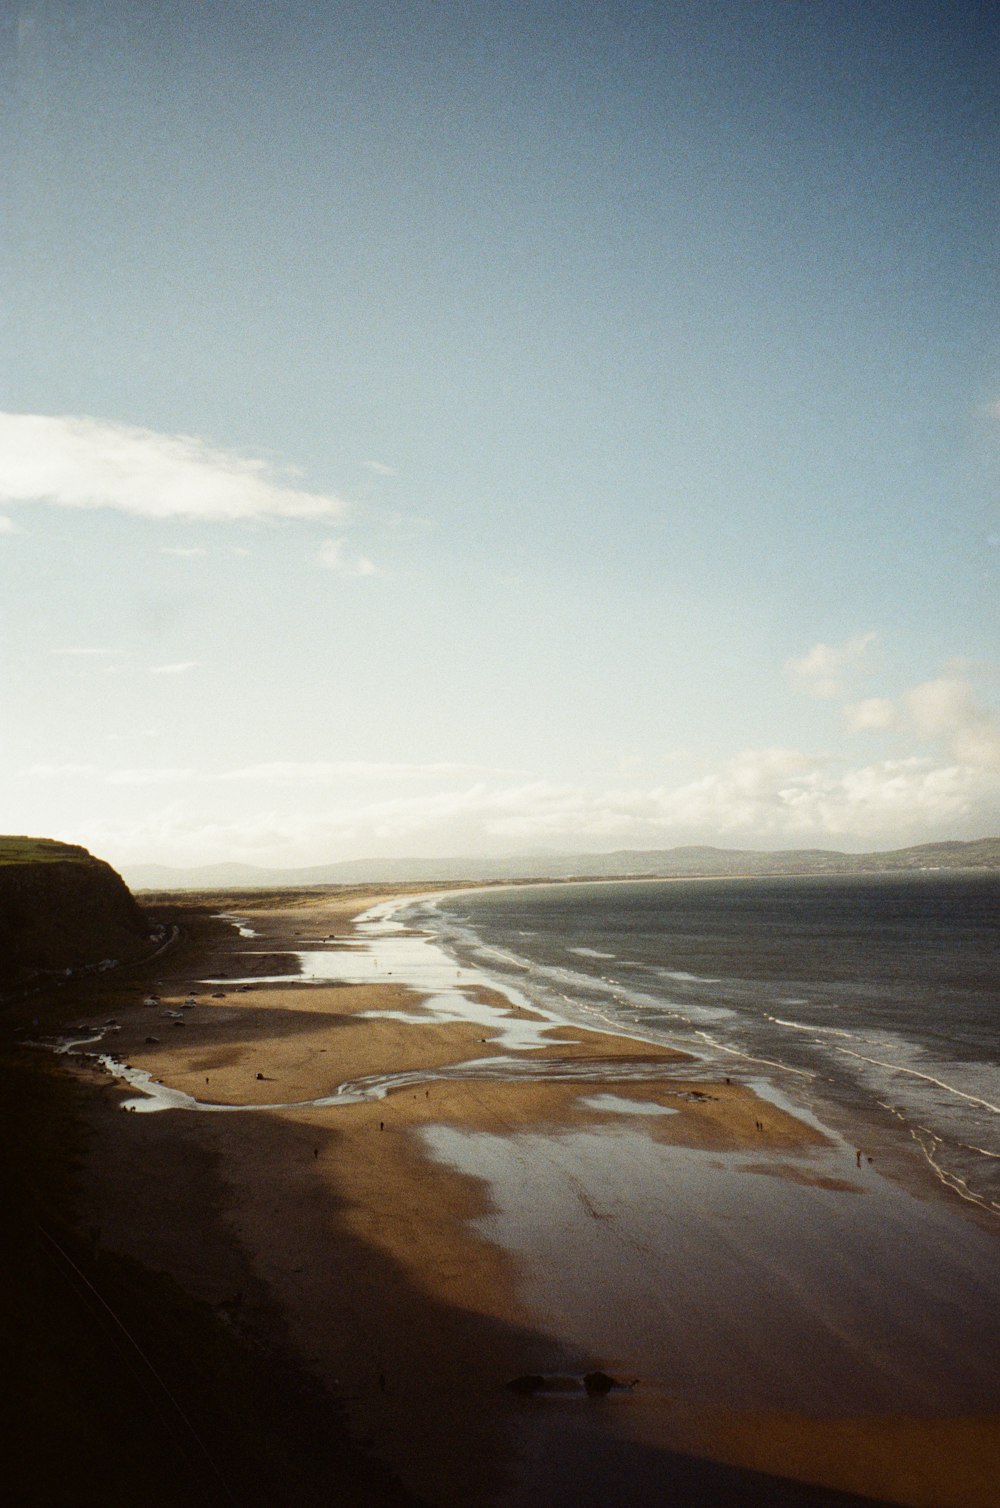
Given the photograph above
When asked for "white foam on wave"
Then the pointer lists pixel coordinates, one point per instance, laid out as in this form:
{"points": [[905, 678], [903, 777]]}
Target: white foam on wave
{"points": [[930, 1145], [737, 1052], [929, 1078], [819, 1031], [683, 977]]}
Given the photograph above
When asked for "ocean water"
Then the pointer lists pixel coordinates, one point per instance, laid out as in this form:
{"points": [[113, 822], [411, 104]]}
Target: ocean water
{"points": [[874, 999]]}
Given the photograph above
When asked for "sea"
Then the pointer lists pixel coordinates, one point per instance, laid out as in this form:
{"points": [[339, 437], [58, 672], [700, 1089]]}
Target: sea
{"points": [[872, 1000]]}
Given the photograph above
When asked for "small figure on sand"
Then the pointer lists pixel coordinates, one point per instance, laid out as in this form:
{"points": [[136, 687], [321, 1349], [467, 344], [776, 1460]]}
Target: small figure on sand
{"points": [[858, 1156]]}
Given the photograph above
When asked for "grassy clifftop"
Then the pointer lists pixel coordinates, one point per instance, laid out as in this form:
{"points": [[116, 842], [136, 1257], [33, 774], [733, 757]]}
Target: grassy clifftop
{"points": [[42, 851], [60, 908]]}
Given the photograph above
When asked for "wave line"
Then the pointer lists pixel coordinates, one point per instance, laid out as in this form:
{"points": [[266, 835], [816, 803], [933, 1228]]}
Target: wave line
{"points": [[927, 1077]]}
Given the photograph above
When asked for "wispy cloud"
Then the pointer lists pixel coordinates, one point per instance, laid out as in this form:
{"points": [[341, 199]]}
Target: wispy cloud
{"points": [[82, 650], [147, 776], [177, 667], [289, 772], [828, 670], [381, 469], [75, 461], [150, 777], [183, 552], [7, 525], [61, 771], [334, 556], [293, 772]]}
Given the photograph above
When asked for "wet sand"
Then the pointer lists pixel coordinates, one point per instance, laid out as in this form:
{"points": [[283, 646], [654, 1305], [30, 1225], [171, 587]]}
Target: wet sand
{"points": [[496, 1195]]}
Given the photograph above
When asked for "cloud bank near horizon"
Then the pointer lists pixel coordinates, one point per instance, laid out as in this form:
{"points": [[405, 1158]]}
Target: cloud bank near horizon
{"points": [[770, 798], [762, 798], [931, 771]]}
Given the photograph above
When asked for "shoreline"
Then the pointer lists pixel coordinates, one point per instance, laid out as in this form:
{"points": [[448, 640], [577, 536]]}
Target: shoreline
{"points": [[352, 1213], [908, 1148]]}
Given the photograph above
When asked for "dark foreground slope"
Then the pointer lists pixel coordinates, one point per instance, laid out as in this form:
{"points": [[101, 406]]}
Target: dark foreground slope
{"points": [[120, 1387], [60, 908]]}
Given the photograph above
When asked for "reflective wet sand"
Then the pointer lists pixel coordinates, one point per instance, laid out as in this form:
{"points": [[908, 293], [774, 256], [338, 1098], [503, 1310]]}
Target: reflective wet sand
{"points": [[442, 1191]]}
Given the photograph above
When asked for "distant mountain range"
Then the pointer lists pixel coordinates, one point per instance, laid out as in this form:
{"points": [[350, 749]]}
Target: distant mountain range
{"points": [[983, 853]]}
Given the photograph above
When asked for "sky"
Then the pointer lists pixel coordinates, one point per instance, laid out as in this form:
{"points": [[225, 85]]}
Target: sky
{"points": [[491, 428]]}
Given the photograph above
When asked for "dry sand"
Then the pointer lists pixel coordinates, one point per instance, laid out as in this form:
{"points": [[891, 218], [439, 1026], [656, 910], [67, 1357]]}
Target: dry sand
{"points": [[424, 1249]]}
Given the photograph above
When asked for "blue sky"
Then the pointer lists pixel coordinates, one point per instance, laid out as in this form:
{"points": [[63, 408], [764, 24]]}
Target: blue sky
{"points": [[436, 428]]}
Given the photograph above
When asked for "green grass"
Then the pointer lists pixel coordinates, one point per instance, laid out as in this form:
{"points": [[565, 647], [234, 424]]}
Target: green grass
{"points": [[41, 851]]}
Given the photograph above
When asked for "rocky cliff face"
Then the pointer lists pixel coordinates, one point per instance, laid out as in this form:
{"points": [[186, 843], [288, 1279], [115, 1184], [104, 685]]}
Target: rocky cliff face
{"points": [[62, 908]]}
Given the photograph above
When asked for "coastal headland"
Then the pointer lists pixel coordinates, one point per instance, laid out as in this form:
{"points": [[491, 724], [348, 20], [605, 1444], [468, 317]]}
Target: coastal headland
{"points": [[531, 1263]]}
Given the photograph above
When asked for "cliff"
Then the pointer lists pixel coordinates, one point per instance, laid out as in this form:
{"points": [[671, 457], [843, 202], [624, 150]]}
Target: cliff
{"points": [[61, 908]]}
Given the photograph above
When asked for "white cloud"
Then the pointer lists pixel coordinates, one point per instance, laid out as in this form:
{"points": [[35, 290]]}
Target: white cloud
{"points": [[7, 525], [78, 462], [944, 713], [333, 555], [826, 671], [873, 713], [891, 802], [183, 552], [178, 667], [757, 791], [381, 469]]}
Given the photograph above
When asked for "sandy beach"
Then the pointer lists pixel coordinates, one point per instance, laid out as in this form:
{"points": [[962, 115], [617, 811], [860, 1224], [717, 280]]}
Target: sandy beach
{"points": [[494, 1196]]}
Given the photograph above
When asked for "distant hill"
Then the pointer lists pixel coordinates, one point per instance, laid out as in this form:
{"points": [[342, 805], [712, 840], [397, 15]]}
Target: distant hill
{"points": [[983, 853], [61, 908]]}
